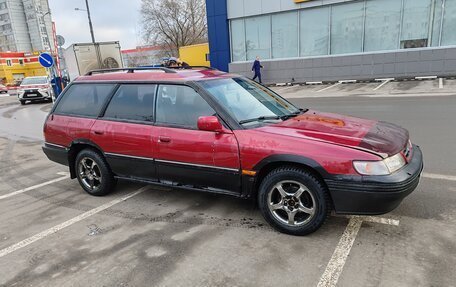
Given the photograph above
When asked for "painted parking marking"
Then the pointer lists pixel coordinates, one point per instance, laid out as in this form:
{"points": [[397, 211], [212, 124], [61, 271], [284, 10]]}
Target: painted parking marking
{"points": [[384, 82], [440, 83], [438, 176], [67, 223], [336, 264], [65, 176], [332, 86]]}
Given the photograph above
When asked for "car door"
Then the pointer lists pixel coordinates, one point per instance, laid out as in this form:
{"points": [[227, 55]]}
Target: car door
{"points": [[186, 155], [124, 132]]}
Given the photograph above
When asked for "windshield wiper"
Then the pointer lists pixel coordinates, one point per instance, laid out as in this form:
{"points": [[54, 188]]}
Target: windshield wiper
{"points": [[262, 118], [295, 114]]}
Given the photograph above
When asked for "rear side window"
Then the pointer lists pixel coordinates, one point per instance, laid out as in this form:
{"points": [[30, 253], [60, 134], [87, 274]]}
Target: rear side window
{"points": [[132, 102], [84, 99], [180, 106]]}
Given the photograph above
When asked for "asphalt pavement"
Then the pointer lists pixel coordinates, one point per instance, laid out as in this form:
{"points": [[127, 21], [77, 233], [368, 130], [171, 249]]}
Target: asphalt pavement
{"points": [[53, 234]]}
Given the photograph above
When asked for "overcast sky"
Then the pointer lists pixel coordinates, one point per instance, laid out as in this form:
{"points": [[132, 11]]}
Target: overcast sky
{"points": [[113, 20]]}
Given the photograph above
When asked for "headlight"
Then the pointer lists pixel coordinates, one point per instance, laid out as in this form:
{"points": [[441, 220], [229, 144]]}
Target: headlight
{"points": [[43, 90], [384, 167]]}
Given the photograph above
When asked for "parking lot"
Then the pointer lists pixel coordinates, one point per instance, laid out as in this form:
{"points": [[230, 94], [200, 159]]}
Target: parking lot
{"points": [[54, 234]]}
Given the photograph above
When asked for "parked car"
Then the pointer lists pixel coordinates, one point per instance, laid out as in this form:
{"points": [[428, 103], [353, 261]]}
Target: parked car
{"points": [[3, 89], [205, 130], [35, 89]]}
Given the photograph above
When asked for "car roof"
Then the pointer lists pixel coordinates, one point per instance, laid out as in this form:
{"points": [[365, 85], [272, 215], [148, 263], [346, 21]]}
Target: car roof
{"points": [[153, 74], [35, 77]]}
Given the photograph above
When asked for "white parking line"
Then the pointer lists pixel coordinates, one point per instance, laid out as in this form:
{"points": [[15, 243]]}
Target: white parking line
{"points": [[439, 176], [382, 84], [337, 261], [67, 223], [66, 175], [440, 83], [332, 86], [336, 264]]}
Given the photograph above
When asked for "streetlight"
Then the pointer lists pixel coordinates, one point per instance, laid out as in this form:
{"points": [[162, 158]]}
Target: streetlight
{"points": [[90, 20]]}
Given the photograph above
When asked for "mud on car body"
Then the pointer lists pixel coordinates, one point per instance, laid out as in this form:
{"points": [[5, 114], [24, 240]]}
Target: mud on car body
{"points": [[205, 130]]}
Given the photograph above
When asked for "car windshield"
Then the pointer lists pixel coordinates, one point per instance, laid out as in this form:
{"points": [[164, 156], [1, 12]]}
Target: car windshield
{"points": [[248, 101], [34, 81]]}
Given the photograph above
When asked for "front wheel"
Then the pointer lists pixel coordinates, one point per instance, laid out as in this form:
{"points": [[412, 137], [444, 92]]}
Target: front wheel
{"points": [[293, 201], [94, 174]]}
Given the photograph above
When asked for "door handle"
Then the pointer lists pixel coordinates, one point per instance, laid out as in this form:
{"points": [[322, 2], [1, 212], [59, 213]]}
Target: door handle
{"points": [[98, 132], [162, 139]]}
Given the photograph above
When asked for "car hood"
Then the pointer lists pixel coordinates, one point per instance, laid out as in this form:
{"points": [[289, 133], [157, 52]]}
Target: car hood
{"points": [[382, 138]]}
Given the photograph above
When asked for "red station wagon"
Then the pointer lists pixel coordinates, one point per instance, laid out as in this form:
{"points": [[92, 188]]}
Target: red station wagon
{"points": [[205, 130]]}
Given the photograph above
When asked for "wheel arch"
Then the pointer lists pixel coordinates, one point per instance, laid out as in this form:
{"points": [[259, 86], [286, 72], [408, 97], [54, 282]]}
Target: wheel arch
{"points": [[75, 147], [264, 167]]}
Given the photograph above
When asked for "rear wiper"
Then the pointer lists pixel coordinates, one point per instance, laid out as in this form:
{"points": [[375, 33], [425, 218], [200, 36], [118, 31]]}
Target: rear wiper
{"points": [[262, 118]]}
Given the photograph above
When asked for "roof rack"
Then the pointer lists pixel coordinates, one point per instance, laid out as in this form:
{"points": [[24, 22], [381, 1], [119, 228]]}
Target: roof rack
{"points": [[192, 67], [131, 70]]}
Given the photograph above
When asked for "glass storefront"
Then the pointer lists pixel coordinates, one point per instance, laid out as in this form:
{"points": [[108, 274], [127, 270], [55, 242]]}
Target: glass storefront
{"points": [[346, 28]]}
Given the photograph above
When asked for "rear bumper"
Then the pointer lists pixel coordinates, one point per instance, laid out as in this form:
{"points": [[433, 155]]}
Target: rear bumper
{"points": [[372, 195], [56, 153]]}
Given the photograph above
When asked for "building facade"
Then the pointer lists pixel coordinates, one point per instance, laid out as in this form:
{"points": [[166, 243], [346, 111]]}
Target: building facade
{"points": [[15, 66], [326, 40], [25, 25]]}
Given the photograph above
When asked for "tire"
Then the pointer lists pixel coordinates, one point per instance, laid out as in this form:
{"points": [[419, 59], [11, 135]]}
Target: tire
{"points": [[22, 103], [93, 173], [299, 207]]}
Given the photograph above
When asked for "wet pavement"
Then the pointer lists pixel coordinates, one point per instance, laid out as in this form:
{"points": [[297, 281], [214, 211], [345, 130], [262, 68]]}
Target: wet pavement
{"points": [[57, 235]]}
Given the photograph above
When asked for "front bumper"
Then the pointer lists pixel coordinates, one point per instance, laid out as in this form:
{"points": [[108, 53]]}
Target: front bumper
{"points": [[372, 195], [34, 95]]}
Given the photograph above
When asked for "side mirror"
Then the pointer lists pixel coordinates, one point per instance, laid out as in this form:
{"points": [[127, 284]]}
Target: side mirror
{"points": [[210, 124]]}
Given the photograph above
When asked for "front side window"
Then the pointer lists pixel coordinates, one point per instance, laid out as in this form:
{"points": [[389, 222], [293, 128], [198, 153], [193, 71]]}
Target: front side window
{"points": [[246, 100], [180, 106], [84, 99], [132, 102]]}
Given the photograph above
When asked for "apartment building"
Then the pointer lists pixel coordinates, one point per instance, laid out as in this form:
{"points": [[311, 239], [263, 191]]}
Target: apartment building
{"points": [[25, 26]]}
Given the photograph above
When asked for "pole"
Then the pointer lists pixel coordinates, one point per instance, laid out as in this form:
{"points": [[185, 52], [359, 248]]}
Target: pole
{"points": [[95, 45], [90, 21]]}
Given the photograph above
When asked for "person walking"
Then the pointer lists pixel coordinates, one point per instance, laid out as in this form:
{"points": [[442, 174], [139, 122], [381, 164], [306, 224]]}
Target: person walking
{"points": [[257, 69]]}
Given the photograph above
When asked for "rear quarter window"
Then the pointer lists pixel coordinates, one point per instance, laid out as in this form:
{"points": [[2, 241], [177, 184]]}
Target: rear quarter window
{"points": [[84, 99], [132, 102]]}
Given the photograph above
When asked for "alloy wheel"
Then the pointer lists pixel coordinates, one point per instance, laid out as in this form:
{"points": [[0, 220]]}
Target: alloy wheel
{"points": [[90, 173], [291, 203]]}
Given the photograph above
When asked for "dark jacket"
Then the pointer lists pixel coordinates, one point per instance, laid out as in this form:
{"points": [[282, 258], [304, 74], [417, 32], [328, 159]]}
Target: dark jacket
{"points": [[256, 67]]}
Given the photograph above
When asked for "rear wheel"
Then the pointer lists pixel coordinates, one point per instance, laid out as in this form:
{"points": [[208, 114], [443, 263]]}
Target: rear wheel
{"points": [[93, 172], [293, 201]]}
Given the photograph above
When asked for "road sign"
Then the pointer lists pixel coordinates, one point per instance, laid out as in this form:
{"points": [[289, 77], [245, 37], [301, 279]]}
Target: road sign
{"points": [[60, 40], [46, 60]]}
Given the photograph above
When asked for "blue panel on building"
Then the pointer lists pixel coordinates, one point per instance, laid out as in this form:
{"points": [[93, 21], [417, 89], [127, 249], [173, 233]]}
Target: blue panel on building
{"points": [[218, 33]]}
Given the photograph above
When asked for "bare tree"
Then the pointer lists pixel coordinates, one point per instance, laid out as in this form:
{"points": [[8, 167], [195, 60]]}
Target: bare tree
{"points": [[174, 23]]}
